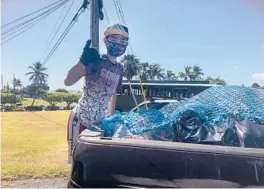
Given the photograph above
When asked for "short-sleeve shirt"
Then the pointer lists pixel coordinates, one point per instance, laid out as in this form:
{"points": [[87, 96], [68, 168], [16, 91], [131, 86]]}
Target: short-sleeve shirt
{"points": [[102, 79]]}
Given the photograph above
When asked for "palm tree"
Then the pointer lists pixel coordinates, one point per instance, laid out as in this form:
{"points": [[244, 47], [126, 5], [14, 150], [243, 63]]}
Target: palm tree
{"points": [[186, 75], [131, 66], [40, 93], [217, 80], [210, 79], [16, 83], [170, 75], [19, 83], [156, 72], [220, 81], [255, 85], [197, 73], [37, 74], [22, 92], [7, 87], [144, 70], [36, 91]]}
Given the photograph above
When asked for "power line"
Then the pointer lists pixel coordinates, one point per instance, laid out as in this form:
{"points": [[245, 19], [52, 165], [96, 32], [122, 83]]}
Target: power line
{"points": [[59, 26], [119, 18], [81, 9], [55, 26], [25, 26], [123, 18], [48, 119], [30, 25], [30, 13], [106, 15], [36, 17], [121, 11], [64, 34]]}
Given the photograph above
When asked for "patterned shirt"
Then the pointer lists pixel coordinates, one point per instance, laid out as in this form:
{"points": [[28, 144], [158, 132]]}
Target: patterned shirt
{"points": [[102, 79]]}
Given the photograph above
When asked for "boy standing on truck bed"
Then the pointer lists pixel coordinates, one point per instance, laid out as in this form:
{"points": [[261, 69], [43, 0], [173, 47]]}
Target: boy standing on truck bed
{"points": [[103, 76]]}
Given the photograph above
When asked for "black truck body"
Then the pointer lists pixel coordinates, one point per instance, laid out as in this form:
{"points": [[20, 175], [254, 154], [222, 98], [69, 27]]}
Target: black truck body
{"points": [[128, 163]]}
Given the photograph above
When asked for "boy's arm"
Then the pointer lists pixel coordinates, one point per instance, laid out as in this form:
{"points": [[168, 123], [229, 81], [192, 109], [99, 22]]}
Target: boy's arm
{"points": [[112, 104], [77, 71], [74, 74]]}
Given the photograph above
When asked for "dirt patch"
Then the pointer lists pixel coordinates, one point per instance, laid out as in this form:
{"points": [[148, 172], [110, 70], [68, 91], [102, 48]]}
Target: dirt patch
{"points": [[35, 183]]}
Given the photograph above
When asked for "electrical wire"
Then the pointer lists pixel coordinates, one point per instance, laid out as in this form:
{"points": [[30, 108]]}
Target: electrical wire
{"points": [[120, 15], [119, 18], [119, 6], [30, 14], [54, 28], [50, 42], [48, 119], [106, 16], [26, 27], [21, 32], [47, 12], [64, 34]]}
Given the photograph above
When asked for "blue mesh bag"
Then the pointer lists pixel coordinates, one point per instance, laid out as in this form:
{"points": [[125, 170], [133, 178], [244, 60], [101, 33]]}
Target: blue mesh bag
{"points": [[208, 116]]}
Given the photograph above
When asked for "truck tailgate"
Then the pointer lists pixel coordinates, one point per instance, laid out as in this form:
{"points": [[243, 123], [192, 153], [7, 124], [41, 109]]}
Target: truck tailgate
{"points": [[107, 162]]}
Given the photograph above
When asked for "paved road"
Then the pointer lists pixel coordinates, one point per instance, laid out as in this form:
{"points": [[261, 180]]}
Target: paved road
{"points": [[35, 183]]}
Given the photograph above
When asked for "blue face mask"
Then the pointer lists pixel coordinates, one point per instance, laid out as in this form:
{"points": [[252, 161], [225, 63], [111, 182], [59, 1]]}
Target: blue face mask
{"points": [[115, 49]]}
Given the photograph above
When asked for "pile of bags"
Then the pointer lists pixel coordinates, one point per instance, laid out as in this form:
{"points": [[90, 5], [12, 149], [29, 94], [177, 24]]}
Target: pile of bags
{"points": [[225, 115]]}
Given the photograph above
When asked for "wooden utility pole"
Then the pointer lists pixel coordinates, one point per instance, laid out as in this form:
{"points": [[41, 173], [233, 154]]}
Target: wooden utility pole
{"points": [[94, 24], [2, 82]]}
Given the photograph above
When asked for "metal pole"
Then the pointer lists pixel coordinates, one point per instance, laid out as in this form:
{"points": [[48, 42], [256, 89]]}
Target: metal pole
{"points": [[94, 24], [2, 82]]}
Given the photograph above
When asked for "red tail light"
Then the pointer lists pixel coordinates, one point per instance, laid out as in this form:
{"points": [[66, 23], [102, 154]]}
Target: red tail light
{"points": [[81, 128]]}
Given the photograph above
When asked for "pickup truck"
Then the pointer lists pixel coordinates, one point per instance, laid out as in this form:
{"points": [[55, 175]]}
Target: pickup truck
{"points": [[101, 162], [154, 103]]}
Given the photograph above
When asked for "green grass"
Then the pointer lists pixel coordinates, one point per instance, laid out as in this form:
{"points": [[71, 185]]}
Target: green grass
{"points": [[33, 147], [28, 102]]}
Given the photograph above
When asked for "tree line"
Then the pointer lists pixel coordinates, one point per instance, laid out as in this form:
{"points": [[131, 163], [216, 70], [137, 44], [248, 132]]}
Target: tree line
{"points": [[133, 69], [53, 98]]}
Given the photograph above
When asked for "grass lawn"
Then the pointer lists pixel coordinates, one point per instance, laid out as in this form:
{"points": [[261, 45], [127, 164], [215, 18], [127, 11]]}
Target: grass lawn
{"points": [[33, 146], [28, 102]]}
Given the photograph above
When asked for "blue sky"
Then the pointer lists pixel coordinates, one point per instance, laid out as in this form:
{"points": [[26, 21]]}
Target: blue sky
{"points": [[224, 37]]}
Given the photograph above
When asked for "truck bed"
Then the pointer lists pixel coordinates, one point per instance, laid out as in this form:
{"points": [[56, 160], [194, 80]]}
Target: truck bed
{"points": [[108, 162]]}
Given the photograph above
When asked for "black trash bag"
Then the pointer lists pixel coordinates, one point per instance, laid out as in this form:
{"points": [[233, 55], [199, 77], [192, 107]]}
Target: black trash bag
{"points": [[190, 128], [233, 132]]}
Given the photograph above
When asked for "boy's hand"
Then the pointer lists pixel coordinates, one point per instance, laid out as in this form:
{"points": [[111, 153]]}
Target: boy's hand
{"points": [[89, 54]]}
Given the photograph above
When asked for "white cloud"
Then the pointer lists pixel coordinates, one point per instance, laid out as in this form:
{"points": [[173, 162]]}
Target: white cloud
{"points": [[258, 77]]}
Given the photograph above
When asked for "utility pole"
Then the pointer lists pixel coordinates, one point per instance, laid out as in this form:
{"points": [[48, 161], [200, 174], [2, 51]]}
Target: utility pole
{"points": [[94, 24], [14, 83], [2, 82]]}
